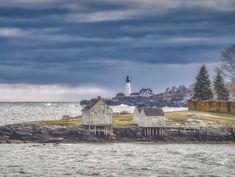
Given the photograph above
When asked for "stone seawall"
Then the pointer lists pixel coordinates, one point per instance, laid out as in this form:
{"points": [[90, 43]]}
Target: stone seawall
{"points": [[34, 133], [212, 106]]}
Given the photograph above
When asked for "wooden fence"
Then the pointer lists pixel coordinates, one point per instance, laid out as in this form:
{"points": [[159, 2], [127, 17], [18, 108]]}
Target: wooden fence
{"points": [[212, 106]]}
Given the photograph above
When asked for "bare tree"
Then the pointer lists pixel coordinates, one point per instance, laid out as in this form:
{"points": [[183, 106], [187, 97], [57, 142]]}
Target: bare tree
{"points": [[228, 67], [232, 87], [228, 62]]}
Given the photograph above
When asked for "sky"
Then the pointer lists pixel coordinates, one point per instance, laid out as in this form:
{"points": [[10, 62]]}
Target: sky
{"points": [[68, 50]]}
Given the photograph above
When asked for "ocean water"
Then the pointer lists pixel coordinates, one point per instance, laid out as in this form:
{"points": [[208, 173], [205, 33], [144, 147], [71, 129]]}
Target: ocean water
{"points": [[117, 159], [23, 112], [31, 111], [108, 159]]}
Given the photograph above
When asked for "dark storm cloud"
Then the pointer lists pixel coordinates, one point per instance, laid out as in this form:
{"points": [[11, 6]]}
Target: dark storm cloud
{"points": [[81, 42]]}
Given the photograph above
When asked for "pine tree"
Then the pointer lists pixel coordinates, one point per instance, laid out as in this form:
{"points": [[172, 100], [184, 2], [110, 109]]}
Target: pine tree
{"points": [[220, 88], [202, 87]]}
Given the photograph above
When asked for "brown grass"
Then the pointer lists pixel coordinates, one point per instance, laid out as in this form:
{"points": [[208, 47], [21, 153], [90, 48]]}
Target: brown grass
{"points": [[124, 120], [216, 118], [62, 122], [181, 117], [119, 120]]}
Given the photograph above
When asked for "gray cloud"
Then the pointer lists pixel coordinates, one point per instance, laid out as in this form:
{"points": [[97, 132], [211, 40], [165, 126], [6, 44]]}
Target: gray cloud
{"points": [[96, 42], [50, 92]]}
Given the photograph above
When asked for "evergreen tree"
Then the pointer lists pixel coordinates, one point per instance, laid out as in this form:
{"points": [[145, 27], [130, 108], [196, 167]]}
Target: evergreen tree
{"points": [[220, 88], [202, 87]]}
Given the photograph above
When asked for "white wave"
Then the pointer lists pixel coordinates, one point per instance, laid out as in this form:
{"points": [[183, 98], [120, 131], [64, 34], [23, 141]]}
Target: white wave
{"points": [[122, 107], [130, 109], [173, 109], [48, 104]]}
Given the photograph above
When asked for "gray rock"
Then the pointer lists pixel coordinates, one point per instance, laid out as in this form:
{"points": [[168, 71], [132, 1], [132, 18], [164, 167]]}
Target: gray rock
{"points": [[5, 130], [23, 133]]}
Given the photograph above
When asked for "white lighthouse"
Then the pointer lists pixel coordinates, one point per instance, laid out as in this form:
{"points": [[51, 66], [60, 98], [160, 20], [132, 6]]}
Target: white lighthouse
{"points": [[128, 86]]}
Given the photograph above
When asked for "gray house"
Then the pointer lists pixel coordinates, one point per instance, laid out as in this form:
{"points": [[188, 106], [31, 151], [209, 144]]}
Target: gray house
{"points": [[149, 117], [97, 115]]}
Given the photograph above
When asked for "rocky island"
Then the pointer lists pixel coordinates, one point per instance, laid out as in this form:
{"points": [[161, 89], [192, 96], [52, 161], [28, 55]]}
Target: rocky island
{"points": [[214, 129]]}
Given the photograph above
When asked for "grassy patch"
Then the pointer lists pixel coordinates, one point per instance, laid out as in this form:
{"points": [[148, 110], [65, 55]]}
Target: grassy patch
{"points": [[119, 120], [207, 117], [62, 122], [223, 115], [181, 117], [178, 116], [124, 120]]}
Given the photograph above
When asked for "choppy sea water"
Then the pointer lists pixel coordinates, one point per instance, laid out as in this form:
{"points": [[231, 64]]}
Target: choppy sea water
{"points": [[30, 111], [118, 159], [114, 159]]}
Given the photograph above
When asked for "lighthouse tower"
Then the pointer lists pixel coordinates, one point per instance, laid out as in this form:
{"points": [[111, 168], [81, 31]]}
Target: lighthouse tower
{"points": [[128, 86]]}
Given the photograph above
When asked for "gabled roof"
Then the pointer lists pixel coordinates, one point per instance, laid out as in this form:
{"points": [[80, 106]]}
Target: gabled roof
{"points": [[92, 103], [138, 109], [153, 111]]}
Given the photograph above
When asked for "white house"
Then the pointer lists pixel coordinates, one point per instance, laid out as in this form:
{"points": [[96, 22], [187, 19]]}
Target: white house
{"points": [[152, 117], [146, 92], [136, 115], [98, 113]]}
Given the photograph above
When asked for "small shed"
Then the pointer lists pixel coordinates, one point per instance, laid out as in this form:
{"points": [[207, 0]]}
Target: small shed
{"points": [[152, 117], [97, 114]]}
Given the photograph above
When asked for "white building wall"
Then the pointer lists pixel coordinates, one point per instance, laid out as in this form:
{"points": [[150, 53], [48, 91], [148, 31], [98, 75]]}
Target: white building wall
{"points": [[128, 89], [85, 118], [136, 116], [151, 121], [141, 119]]}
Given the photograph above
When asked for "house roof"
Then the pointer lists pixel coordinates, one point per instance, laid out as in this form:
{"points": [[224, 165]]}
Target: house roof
{"points": [[153, 111], [92, 104], [139, 109]]}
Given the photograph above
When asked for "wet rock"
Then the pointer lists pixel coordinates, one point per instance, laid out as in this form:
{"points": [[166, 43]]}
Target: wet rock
{"points": [[5, 130], [21, 135], [31, 132], [132, 133]]}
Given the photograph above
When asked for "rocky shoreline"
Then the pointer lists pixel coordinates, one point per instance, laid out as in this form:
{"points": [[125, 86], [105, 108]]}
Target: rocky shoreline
{"points": [[36, 133]]}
